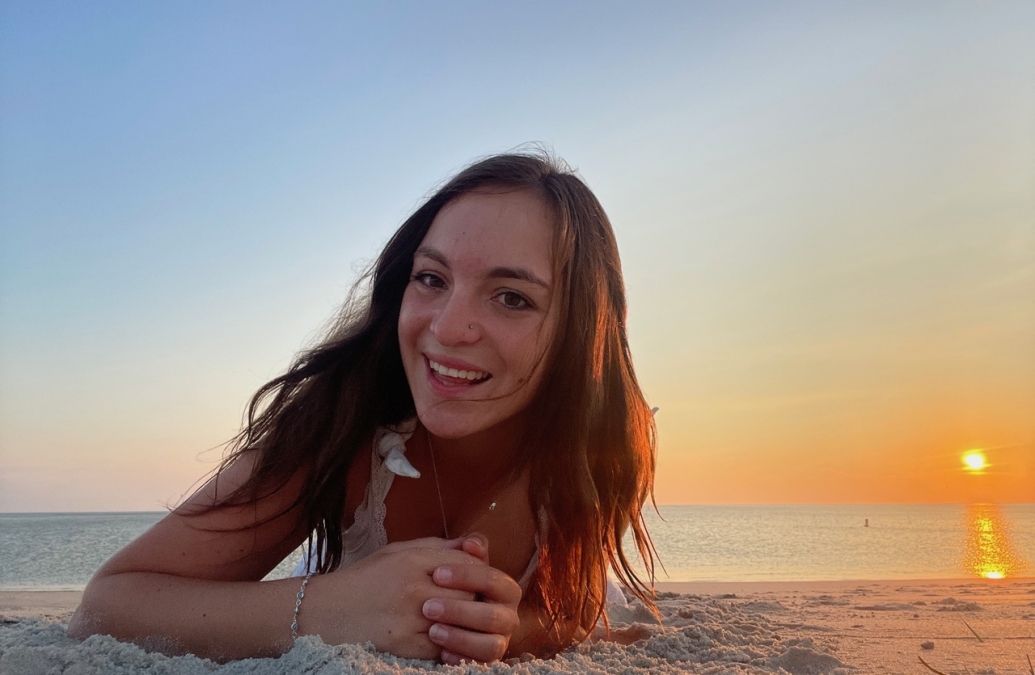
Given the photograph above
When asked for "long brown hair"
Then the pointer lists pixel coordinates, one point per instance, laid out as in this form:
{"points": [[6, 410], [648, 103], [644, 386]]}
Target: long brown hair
{"points": [[590, 455]]}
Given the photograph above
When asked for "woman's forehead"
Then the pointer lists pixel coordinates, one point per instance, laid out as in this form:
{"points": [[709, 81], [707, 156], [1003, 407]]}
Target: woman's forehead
{"points": [[494, 228]]}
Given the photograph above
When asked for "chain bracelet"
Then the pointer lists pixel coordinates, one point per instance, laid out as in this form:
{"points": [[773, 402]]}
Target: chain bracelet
{"points": [[298, 606]]}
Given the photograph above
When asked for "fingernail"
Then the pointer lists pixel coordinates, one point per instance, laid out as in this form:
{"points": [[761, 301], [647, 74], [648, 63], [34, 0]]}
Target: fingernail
{"points": [[443, 574], [438, 633], [450, 659], [433, 609]]}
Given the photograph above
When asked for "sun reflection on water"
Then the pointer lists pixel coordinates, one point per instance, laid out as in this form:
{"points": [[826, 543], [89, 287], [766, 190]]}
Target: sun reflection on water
{"points": [[989, 551]]}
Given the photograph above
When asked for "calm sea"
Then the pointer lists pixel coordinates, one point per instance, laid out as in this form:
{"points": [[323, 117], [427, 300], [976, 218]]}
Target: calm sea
{"points": [[722, 543]]}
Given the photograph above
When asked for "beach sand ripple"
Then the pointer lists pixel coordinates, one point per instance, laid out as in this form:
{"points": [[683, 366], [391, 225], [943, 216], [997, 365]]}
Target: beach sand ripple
{"points": [[820, 628], [697, 635]]}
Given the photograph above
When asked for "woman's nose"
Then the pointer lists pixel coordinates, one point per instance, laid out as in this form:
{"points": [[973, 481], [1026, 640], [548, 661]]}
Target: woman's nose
{"points": [[456, 322]]}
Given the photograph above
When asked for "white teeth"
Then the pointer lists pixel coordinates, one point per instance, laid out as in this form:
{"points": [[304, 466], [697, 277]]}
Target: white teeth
{"points": [[471, 375]]}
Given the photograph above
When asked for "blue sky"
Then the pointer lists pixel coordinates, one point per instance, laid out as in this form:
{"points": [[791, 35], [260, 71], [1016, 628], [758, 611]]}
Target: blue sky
{"points": [[825, 210]]}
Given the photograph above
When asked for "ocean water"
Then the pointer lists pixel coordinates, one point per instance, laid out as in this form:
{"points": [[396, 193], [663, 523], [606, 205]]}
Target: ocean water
{"points": [[60, 551], [870, 541]]}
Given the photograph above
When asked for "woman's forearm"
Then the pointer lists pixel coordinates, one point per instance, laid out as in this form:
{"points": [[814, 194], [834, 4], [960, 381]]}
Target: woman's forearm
{"points": [[377, 599], [536, 636], [219, 620]]}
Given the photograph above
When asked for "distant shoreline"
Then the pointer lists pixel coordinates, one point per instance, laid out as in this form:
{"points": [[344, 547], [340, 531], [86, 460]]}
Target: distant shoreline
{"points": [[37, 602], [697, 587], [774, 505], [82, 513]]}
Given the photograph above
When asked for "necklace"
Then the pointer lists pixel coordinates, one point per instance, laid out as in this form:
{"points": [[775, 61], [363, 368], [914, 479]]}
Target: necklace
{"points": [[438, 486]]}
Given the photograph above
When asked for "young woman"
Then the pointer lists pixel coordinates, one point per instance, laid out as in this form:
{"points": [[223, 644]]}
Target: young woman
{"points": [[463, 453]]}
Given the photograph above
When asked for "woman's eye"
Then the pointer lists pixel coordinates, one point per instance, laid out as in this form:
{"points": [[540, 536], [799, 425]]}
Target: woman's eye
{"points": [[512, 300], [429, 280]]}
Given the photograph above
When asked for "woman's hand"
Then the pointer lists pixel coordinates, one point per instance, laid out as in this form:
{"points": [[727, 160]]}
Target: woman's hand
{"points": [[478, 626], [379, 599]]}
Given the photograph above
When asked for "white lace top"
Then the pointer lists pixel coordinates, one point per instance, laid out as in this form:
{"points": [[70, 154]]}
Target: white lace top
{"points": [[367, 532]]}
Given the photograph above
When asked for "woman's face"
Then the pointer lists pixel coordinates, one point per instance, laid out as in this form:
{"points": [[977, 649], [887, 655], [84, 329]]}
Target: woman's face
{"points": [[478, 315]]}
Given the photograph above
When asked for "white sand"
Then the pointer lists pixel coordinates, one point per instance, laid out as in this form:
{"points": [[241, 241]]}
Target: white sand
{"points": [[811, 628]]}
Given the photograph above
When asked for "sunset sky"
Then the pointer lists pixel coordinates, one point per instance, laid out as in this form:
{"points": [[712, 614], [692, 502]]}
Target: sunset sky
{"points": [[826, 213]]}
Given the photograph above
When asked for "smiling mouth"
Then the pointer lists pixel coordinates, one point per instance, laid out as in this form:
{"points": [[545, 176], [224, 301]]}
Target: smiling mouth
{"points": [[455, 376]]}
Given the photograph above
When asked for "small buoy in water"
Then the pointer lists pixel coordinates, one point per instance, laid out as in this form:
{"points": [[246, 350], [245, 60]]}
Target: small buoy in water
{"points": [[866, 523]]}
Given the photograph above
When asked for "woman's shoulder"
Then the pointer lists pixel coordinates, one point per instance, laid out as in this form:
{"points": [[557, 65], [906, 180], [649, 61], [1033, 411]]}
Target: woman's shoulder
{"points": [[251, 535]]}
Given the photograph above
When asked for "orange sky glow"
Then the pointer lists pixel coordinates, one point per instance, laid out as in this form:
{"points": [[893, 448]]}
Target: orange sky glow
{"points": [[825, 212]]}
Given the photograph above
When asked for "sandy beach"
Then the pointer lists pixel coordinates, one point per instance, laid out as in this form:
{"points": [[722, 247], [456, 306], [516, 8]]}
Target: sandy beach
{"points": [[804, 628]]}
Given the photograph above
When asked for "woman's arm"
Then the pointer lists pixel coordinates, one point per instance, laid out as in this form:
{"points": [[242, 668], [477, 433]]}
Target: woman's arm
{"points": [[537, 636], [192, 584], [182, 585], [178, 615]]}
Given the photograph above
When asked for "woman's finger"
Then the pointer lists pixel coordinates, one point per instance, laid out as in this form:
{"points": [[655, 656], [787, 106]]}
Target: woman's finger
{"points": [[428, 542], [476, 544], [491, 583], [484, 617], [465, 644]]}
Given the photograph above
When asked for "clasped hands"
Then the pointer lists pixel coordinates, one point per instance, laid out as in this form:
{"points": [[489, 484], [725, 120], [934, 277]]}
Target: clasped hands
{"points": [[426, 598]]}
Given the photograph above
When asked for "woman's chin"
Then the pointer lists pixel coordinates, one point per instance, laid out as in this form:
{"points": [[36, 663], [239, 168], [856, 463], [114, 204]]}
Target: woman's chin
{"points": [[454, 425], [450, 429]]}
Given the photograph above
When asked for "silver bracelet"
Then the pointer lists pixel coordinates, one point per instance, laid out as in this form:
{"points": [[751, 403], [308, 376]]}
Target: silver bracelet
{"points": [[298, 605]]}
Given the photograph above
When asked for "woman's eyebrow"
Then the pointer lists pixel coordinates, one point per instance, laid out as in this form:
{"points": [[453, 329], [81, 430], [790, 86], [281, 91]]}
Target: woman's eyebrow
{"points": [[429, 252], [519, 273]]}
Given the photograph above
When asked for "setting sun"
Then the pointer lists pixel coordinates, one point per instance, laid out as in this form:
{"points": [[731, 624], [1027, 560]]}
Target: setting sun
{"points": [[974, 460]]}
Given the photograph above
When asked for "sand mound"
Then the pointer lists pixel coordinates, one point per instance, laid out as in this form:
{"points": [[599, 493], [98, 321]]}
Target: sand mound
{"points": [[954, 605], [697, 635]]}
